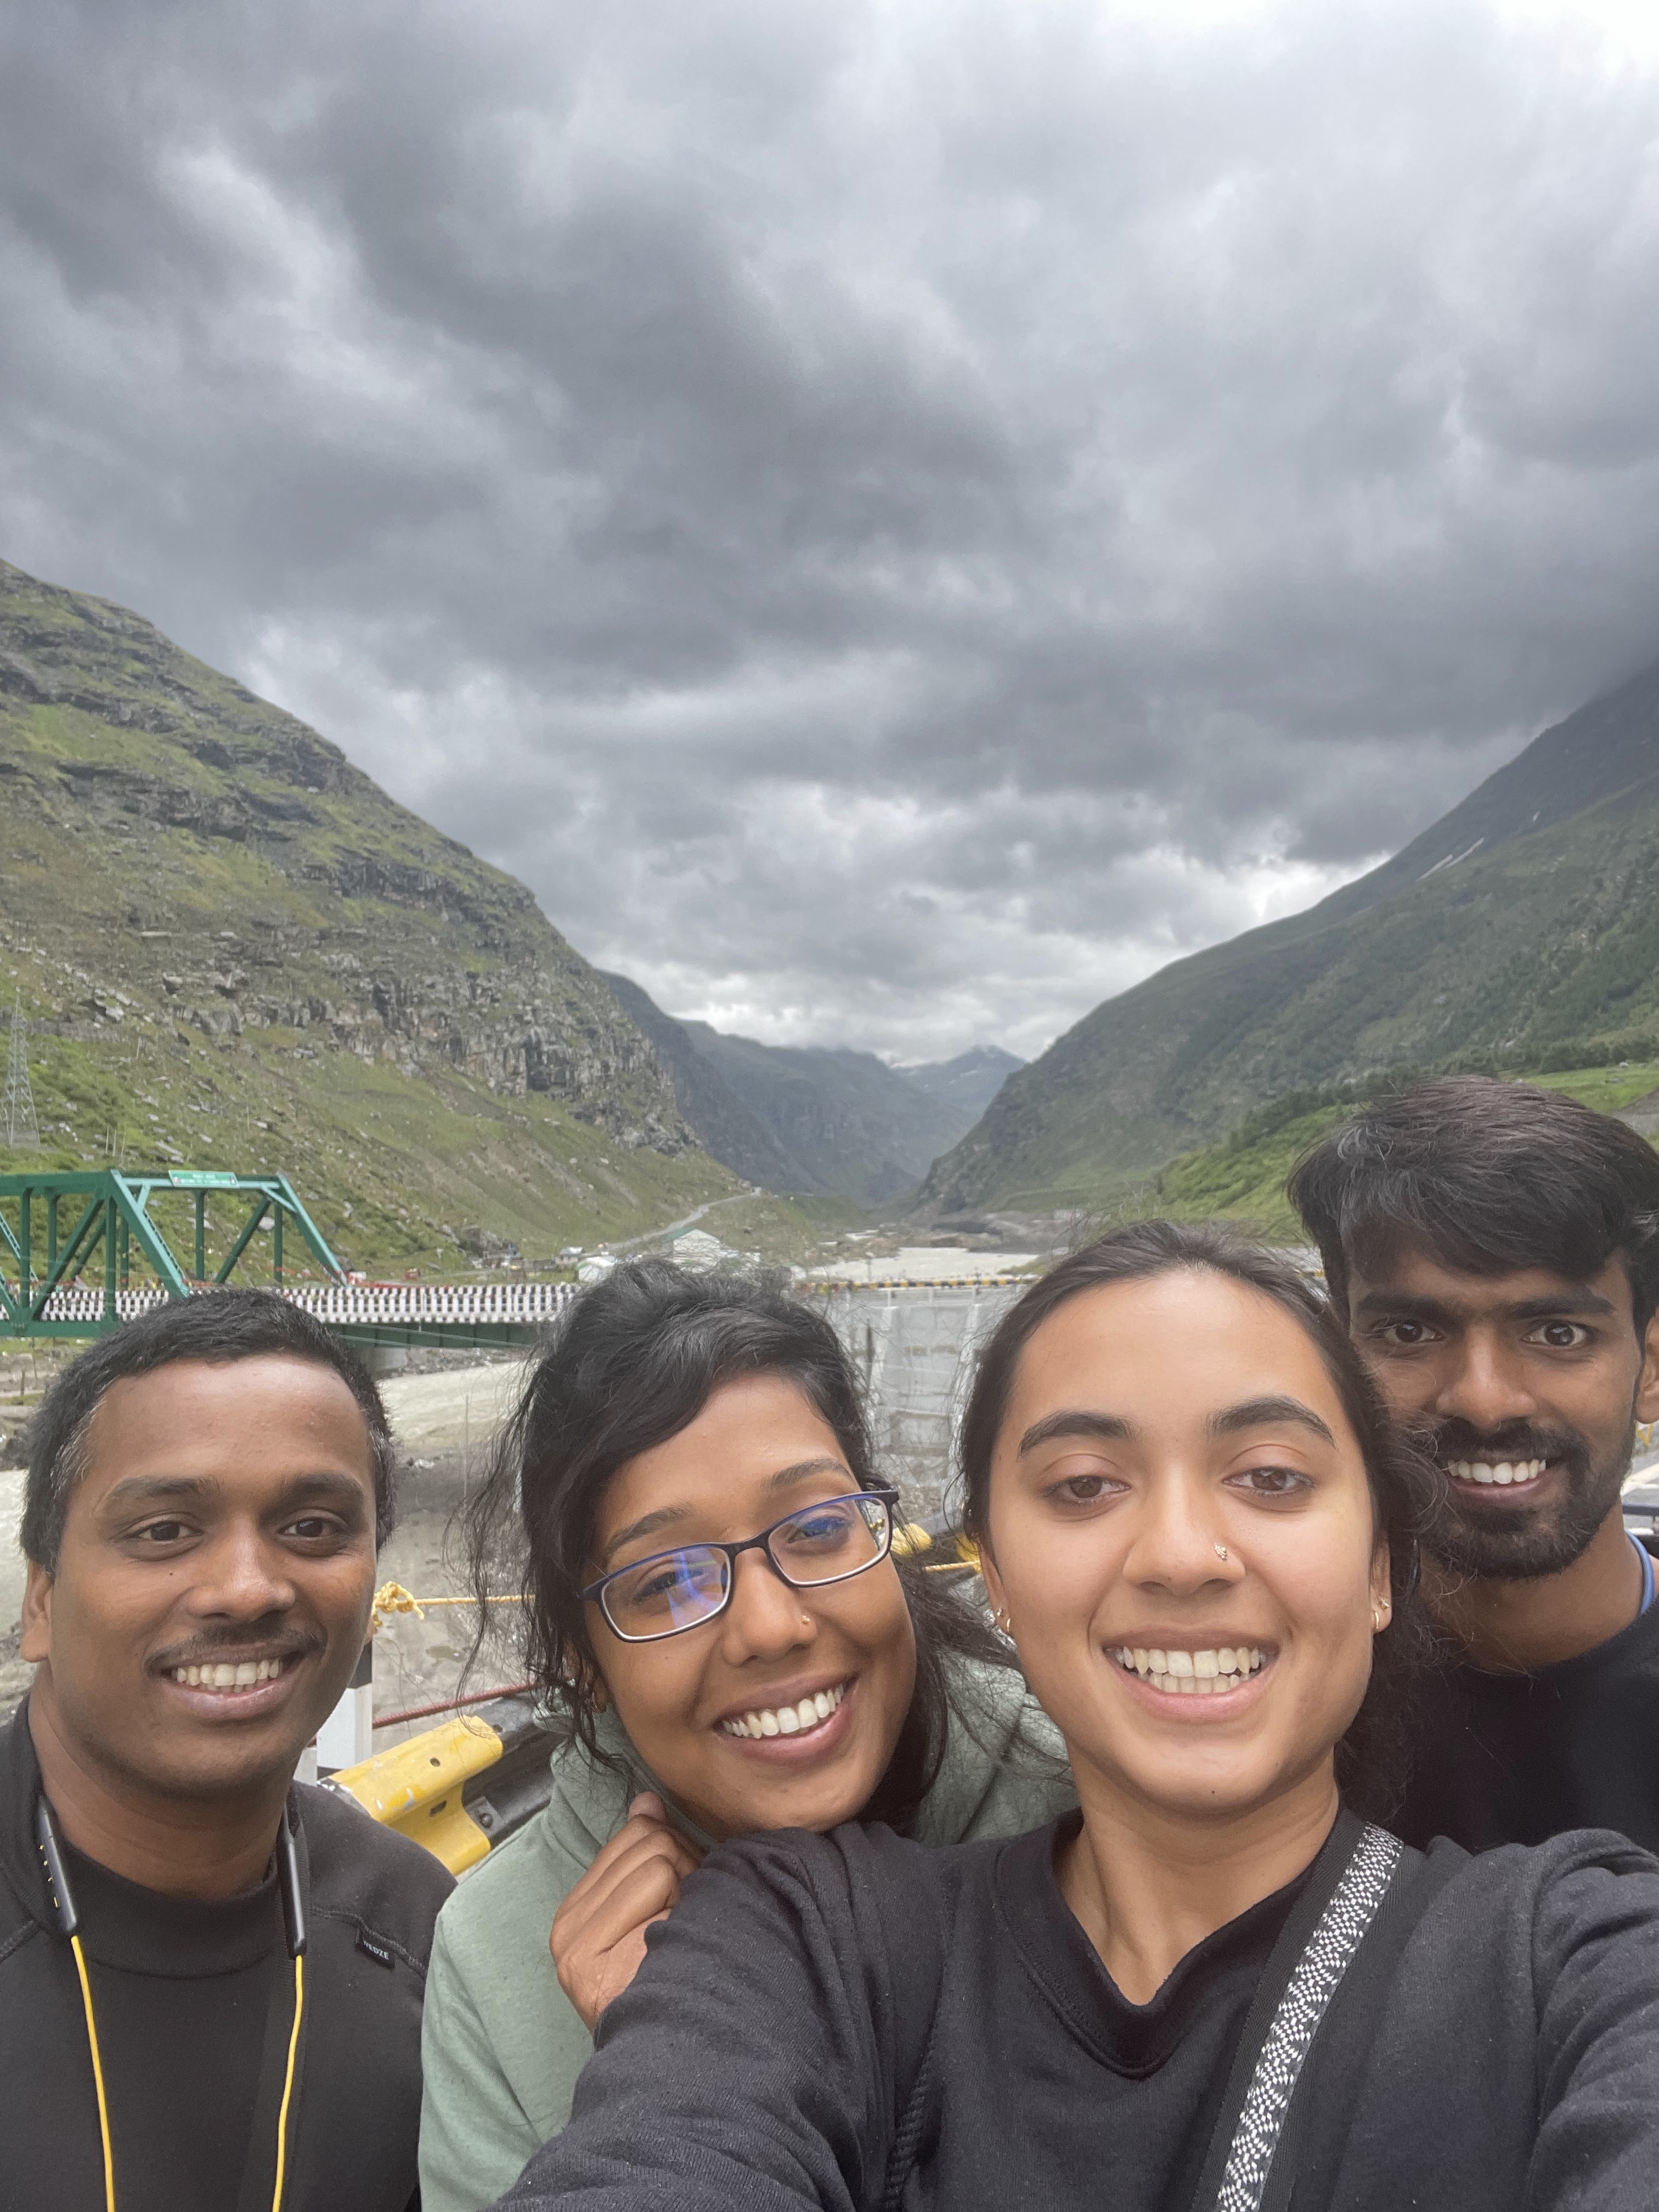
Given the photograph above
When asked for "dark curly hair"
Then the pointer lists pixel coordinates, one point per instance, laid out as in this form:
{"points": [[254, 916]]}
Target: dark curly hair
{"points": [[1405, 1487], [632, 1361]]}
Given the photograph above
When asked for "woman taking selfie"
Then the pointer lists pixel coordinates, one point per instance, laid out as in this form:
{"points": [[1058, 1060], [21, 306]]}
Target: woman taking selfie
{"points": [[1216, 1985], [687, 1500]]}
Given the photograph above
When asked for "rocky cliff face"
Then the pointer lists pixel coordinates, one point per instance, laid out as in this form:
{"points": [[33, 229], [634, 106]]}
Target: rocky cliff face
{"points": [[173, 851]]}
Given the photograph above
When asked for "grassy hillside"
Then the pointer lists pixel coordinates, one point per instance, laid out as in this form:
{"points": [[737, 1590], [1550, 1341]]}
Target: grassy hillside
{"points": [[1523, 928], [1242, 1179], [398, 1169], [234, 949]]}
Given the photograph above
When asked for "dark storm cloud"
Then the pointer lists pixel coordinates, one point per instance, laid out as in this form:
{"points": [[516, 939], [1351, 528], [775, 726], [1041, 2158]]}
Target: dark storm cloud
{"points": [[893, 519]]}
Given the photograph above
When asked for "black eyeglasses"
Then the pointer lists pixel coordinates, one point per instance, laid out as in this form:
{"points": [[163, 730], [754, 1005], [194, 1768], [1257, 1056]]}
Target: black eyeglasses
{"points": [[673, 1591]]}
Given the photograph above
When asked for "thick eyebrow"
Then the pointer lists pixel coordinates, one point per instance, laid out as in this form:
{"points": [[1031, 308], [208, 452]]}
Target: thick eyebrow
{"points": [[1580, 1302], [1575, 1301], [140, 1491], [649, 1524], [1267, 1412], [1109, 1428], [1400, 1305]]}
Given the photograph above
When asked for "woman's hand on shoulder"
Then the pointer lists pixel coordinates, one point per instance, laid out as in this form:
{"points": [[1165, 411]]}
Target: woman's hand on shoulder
{"points": [[599, 1932]]}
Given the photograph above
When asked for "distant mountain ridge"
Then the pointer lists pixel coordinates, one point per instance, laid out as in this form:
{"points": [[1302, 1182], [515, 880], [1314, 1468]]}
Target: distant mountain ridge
{"points": [[811, 1119], [1526, 917], [967, 1084], [728, 1127]]}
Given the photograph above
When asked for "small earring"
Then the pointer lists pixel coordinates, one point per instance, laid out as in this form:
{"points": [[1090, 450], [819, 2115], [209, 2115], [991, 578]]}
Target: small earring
{"points": [[1221, 1550]]}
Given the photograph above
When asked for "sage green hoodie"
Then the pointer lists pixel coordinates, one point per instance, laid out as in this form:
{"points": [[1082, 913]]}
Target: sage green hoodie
{"points": [[501, 2046]]}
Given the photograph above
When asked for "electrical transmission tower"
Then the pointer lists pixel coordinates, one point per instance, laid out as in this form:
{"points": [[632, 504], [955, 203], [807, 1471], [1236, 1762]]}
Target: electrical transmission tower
{"points": [[17, 1122]]}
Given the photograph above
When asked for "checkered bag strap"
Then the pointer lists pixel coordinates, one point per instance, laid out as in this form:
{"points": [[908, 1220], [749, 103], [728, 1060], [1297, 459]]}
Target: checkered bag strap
{"points": [[1325, 1959]]}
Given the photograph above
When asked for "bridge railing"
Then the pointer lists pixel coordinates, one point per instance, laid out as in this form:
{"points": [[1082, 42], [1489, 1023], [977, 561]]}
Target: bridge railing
{"points": [[526, 1306]]}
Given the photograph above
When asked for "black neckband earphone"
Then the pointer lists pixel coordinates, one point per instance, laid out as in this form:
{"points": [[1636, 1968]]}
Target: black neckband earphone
{"points": [[67, 1921]]}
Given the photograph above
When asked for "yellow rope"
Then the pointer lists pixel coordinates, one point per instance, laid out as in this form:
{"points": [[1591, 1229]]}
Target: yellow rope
{"points": [[392, 1597], [507, 1597], [288, 2085], [97, 2073]]}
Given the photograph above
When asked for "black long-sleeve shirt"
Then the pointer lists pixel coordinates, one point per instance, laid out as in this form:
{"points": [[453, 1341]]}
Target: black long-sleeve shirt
{"points": [[822, 2015], [188, 1996], [1511, 1759]]}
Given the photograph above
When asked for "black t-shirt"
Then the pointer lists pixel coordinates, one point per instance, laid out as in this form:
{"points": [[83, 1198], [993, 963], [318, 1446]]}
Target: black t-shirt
{"points": [[194, 2004], [847, 2022], [1514, 1759], [181, 1992]]}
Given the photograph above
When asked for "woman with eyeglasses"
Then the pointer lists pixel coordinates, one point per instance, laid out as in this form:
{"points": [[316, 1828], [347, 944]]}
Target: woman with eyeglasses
{"points": [[1216, 1986], [687, 1501]]}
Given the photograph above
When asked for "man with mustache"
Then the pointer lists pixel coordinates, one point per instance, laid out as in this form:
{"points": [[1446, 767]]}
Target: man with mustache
{"points": [[1495, 1250], [210, 1979]]}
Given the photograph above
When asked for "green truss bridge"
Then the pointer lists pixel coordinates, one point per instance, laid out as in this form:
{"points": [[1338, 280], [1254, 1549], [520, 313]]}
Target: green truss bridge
{"points": [[79, 1253]]}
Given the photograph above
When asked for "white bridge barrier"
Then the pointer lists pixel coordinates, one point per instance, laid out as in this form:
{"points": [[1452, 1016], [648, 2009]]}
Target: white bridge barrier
{"points": [[361, 1305]]}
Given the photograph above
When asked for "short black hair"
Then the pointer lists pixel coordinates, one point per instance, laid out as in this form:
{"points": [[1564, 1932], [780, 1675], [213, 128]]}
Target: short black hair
{"points": [[1491, 1178], [216, 1326], [633, 1361], [1406, 1489]]}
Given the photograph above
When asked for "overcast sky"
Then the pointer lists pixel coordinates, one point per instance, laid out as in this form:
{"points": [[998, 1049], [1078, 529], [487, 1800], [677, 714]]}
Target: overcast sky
{"points": [[894, 520]]}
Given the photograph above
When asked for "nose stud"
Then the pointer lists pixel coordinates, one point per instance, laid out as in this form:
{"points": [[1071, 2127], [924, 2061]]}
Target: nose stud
{"points": [[1221, 1550]]}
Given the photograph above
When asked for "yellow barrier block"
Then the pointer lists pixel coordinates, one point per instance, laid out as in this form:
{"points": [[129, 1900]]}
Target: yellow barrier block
{"points": [[417, 1788]]}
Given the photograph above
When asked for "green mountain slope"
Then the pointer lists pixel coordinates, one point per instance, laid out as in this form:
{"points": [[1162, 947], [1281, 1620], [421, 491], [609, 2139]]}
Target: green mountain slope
{"points": [[1524, 923], [234, 949], [811, 1119]]}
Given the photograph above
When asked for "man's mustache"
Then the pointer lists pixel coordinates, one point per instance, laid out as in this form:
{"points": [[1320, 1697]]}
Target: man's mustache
{"points": [[1456, 1439], [271, 1644]]}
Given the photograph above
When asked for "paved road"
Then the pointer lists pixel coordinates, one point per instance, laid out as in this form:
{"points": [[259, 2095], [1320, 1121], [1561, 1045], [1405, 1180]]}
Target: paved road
{"points": [[686, 1221]]}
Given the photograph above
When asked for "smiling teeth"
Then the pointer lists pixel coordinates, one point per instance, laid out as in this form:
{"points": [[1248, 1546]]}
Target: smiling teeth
{"points": [[1499, 1471], [1192, 1673], [242, 1676], [787, 1720]]}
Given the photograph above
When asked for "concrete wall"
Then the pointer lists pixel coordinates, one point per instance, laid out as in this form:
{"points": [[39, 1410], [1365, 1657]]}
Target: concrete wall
{"points": [[914, 1348]]}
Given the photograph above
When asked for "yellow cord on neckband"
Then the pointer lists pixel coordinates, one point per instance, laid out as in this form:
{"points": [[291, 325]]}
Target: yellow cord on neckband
{"points": [[97, 2074], [287, 2083], [103, 2106]]}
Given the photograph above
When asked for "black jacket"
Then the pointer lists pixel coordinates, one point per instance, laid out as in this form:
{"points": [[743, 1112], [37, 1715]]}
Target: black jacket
{"points": [[852, 2020], [190, 1999]]}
